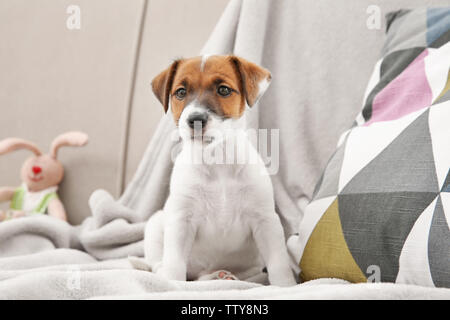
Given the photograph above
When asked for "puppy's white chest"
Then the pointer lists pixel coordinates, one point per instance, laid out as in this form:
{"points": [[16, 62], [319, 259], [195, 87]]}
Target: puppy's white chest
{"points": [[220, 211], [221, 199], [223, 230]]}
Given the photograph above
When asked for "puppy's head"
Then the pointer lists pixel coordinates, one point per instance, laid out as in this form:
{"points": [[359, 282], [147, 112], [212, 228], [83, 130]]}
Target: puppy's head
{"points": [[208, 95]]}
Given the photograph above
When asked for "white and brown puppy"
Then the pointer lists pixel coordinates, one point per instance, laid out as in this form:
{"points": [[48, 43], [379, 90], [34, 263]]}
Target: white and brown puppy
{"points": [[217, 216]]}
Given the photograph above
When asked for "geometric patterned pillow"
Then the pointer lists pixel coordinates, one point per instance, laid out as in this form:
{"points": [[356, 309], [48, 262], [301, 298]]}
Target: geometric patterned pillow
{"points": [[381, 211]]}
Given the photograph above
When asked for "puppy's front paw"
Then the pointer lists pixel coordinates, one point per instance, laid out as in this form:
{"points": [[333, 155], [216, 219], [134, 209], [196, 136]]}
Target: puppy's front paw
{"points": [[172, 272], [219, 275], [285, 279]]}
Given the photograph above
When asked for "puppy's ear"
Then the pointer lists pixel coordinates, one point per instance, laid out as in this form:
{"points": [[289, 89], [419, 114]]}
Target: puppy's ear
{"points": [[162, 84], [255, 79]]}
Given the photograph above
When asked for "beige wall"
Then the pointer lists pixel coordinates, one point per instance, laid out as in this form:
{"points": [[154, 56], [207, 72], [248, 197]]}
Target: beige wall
{"points": [[53, 79]]}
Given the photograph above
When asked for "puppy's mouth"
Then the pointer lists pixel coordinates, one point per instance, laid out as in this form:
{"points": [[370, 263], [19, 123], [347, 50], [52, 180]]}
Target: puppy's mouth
{"points": [[202, 138], [199, 134]]}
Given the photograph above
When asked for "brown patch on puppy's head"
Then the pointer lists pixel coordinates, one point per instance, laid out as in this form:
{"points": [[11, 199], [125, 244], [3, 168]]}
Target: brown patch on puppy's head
{"points": [[221, 84]]}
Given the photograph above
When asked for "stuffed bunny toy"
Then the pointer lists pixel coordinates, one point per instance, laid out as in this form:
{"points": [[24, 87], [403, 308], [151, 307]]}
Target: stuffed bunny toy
{"points": [[41, 174]]}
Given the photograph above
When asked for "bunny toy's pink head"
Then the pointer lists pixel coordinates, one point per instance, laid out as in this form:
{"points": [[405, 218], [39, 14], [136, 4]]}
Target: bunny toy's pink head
{"points": [[43, 171]]}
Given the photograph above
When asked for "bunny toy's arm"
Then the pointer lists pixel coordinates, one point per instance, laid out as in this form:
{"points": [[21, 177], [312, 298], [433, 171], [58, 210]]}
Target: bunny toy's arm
{"points": [[6, 193], [56, 209]]}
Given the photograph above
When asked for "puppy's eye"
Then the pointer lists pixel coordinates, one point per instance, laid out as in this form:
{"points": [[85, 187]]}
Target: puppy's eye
{"points": [[180, 93], [224, 91]]}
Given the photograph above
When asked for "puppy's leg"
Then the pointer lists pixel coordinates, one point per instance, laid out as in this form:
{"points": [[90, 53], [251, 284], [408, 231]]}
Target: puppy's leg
{"points": [[269, 237], [179, 235], [250, 273], [154, 241]]}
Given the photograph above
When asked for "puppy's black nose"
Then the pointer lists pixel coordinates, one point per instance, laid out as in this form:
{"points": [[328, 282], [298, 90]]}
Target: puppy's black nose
{"points": [[199, 117]]}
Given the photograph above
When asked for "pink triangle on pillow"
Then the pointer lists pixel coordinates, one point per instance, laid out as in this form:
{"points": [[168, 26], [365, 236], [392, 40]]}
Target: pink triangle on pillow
{"points": [[407, 93]]}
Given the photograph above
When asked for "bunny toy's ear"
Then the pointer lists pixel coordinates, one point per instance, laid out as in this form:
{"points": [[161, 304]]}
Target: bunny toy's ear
{"points": [[13, 144], [68, 139]]}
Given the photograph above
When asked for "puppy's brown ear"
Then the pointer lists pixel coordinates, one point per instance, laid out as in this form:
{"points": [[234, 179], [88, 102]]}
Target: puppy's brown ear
{"points": [[255, 79], [162, 84]]}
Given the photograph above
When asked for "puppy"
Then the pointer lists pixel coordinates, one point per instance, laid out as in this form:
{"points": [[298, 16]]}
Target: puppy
{"points": [[219, 220]]}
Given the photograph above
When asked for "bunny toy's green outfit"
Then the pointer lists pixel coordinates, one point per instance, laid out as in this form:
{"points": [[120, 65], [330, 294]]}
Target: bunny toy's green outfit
{"points": [[32, 202]]}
